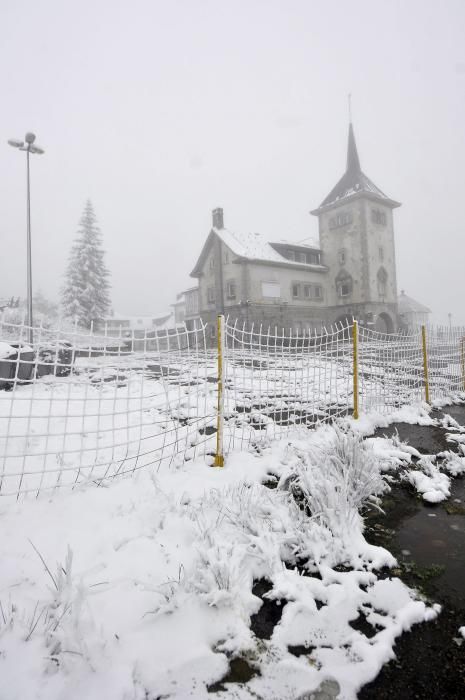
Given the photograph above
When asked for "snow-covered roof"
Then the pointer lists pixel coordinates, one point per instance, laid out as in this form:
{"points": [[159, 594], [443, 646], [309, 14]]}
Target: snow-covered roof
{"points": [[248, 245], [253, 247], [310, 243], [407, 305]]}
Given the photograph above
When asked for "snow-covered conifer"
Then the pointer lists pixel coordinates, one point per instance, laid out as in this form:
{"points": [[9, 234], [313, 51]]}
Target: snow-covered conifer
{"points": [[85, 294]]}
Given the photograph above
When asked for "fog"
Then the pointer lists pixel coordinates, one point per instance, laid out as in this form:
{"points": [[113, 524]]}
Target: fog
{"points": [[161, 111]]}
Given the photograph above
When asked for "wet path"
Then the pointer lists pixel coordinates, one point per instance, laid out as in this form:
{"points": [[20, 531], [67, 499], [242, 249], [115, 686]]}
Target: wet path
{"points": [[429, 543]]}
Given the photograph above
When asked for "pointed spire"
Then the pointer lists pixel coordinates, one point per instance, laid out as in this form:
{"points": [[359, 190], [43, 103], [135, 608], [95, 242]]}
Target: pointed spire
{"points": [[353, 161], [354, 182]]}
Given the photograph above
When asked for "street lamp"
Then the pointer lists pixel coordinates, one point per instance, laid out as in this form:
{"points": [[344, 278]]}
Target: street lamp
{"points": [[28, 146]]}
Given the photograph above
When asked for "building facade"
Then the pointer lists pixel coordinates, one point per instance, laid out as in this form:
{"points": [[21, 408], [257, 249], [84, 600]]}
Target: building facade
{"points": [[349, 273]]}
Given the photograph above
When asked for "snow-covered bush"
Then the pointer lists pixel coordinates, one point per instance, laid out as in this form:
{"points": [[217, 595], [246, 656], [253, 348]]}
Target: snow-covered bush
{"points": [[338, 479]]}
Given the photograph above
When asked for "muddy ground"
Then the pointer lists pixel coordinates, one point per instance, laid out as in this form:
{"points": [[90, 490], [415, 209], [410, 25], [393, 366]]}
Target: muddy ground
{"points": [[429, 543]]}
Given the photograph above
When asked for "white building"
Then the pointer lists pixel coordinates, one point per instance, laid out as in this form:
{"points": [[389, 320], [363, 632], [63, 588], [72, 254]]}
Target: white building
{"points": [[411, 312]]}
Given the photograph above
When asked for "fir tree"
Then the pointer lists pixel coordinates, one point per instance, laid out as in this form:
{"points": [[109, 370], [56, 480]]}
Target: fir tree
{"points": [[85, 296]]}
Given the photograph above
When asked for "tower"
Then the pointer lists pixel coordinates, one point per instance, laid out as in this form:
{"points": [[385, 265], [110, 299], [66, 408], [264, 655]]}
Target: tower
{"points": [[357, 242]]}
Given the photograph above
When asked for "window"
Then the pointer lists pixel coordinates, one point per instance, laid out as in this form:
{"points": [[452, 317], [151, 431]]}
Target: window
{"points": [[211, 295], [382, 282], [307, 291], [342, 219], [318, 291], [344, 285], [296, 291], [342, 257], [302, 257], [212, 263], [291, 255], [271, 290], [381, 253], [226, 257], [314, 259], [378, 217], [231, 289]]}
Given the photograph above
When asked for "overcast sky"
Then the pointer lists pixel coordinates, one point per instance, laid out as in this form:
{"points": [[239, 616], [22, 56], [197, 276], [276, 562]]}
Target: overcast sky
{"points": [[160, 111]]}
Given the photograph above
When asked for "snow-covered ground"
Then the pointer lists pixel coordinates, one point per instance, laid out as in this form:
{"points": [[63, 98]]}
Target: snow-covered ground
{"points": [[143, 588]]}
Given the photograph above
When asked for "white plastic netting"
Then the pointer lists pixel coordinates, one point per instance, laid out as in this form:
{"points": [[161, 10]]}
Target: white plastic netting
{"points": [[78, 408], [275, 381]]}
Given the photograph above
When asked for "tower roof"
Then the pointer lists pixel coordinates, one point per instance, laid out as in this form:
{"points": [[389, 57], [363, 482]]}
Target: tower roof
{"points": [[354, 181]]}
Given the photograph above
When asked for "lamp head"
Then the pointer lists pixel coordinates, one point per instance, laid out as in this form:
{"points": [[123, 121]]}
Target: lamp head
{"points": [[30, 137], [15, 143]]}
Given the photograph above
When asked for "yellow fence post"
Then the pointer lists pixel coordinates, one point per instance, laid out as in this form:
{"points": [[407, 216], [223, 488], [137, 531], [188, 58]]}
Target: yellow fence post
{"points": [[219, 457], [355, 367], [425, 362], [462, 359]]}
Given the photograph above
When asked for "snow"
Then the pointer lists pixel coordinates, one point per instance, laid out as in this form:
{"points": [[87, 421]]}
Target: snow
{"points": [[462, 631], [255, 247], [149, 588], [6, 350]]}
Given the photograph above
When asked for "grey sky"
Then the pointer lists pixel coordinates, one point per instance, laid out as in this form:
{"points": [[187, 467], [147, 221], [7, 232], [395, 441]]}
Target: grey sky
{"points": [[161, 111]]}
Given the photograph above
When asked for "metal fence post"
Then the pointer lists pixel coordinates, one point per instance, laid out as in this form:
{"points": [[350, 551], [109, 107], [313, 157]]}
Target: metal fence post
{"points": [[355, 365], [425, 362], [219, 457]]}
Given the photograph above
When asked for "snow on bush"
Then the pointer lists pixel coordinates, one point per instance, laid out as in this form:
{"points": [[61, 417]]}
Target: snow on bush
{"points": [[338, 480]]}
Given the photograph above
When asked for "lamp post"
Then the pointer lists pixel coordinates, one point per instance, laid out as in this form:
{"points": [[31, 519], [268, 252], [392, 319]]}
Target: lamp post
{"points": [[28, 146]]}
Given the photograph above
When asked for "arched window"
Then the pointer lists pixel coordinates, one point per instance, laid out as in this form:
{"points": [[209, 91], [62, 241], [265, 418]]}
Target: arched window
{"points": [[382, 282], [344, 284]]}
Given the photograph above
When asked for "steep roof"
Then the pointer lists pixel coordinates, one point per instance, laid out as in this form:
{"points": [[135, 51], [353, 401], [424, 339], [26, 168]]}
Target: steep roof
{"points": [[354, 181], [249, 246], [407, 305]]}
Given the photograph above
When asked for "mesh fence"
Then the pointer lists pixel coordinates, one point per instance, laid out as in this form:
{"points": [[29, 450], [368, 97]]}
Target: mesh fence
{"points": [[77, 408], [277, 380]]}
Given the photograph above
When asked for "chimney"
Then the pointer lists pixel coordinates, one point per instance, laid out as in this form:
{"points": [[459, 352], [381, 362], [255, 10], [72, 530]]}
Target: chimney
{"points": [[217, 218]]}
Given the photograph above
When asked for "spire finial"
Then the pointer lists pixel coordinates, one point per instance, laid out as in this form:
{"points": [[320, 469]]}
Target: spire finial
{"points": [[349, 101]]}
